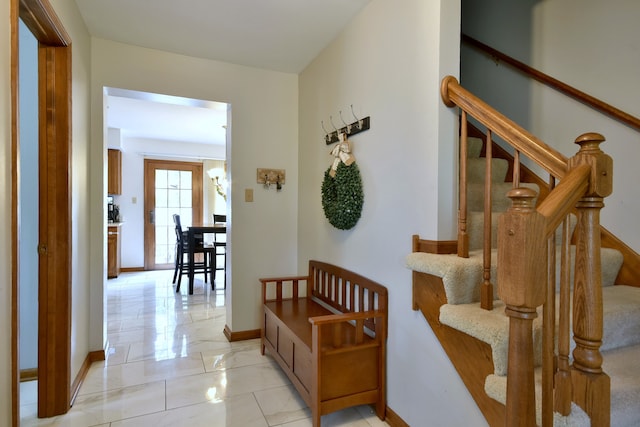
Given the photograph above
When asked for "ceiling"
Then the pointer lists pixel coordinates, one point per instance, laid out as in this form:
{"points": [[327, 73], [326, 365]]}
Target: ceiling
{"points": [[156, 116], [279, 35]]}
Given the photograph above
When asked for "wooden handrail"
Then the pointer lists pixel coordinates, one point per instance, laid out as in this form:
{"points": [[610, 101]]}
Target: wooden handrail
{"points": [[598, 105], [562, 200], [548, 158]]}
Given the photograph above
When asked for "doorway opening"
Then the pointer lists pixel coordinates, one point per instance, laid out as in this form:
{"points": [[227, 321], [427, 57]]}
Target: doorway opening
{"points": [[186, 140], [146, 126]]}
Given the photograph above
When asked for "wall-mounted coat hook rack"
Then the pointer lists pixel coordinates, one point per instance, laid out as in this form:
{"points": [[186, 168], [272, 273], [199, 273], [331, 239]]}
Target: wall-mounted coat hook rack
{"points": [[349, 129], [267, 177]]}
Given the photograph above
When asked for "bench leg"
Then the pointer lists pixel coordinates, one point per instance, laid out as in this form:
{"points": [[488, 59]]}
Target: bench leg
{"points": [[316, 418]]}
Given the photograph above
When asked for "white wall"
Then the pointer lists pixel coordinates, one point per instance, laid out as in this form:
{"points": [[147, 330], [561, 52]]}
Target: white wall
{"points": [[388, 63], [588, 44], [263, 133], [593, 45]]}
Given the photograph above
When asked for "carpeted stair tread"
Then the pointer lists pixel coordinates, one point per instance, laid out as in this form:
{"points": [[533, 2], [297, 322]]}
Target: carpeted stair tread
{"points": [[462, 277], [620, 364], [476, 169], [499, 200], [621, 313], [474, 147]]}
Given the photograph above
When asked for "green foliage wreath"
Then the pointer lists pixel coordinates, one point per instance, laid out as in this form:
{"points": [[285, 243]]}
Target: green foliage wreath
{"points": [[342, 196]]}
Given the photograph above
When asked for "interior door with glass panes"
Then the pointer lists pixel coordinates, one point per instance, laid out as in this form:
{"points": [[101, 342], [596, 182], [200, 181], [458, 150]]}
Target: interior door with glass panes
{"points": [[170, 188]]}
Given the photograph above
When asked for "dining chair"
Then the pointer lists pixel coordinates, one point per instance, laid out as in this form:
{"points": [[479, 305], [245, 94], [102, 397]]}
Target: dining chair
{"points": [[182, 249], [220, 242]]}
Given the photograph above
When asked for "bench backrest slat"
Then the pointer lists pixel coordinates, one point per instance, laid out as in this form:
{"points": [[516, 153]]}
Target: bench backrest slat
{"points": [[346, 291]]}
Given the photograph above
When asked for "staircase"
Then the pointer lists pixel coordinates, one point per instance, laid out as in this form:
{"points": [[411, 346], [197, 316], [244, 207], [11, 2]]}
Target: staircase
{"points": [[523, 338]]}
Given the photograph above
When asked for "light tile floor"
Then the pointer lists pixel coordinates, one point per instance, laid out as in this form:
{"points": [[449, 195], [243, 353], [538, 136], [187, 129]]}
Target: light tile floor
{"points": [[169, 364]]}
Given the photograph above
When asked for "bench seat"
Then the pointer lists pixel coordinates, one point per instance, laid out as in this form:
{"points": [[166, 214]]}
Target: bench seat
{"points": [[289, 311]]}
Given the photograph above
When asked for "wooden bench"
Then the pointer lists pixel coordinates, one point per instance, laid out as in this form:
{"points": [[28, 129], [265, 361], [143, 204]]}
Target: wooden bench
{"points": [[331, 340]]}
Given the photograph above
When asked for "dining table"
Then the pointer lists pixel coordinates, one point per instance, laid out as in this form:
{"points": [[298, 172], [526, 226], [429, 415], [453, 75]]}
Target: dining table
{"points": [[200, 229]]}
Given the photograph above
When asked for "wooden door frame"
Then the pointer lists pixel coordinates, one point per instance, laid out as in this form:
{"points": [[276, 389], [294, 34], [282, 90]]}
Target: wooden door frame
{"points": [[54, 260], [149, 196]]}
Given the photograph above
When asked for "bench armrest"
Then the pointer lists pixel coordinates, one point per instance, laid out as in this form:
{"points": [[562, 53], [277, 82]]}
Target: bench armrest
{"points": [[345, 317], [293, 282], [333, 325]]}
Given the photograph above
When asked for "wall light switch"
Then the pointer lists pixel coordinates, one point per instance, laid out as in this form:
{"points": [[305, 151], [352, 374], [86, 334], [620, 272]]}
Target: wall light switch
{"points": [[134, 200], [248, 194]]}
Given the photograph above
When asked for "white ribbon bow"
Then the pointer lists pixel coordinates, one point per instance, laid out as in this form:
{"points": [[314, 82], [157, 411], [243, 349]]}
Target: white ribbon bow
{"points": [[342, 153]]}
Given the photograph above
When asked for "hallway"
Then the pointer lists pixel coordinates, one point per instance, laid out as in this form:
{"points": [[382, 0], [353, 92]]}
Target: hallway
{"points": [[169, 364]]}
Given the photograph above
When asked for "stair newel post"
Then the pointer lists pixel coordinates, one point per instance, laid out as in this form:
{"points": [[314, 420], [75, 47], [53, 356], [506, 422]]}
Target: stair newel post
{"points": [[591, 386], [463, 236], [522, 257]]}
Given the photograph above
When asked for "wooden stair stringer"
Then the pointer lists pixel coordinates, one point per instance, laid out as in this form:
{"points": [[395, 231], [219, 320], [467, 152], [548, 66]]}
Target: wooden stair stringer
{"points": [[471, 357]]}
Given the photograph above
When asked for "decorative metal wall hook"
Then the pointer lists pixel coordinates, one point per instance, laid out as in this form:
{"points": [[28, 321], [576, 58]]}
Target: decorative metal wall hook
{"points": [[347, 126], [327, 134], [334, 126], [359, 125]]}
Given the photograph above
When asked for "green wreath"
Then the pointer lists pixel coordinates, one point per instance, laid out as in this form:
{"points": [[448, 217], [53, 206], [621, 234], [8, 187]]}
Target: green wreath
{"points": [[342, 196]]}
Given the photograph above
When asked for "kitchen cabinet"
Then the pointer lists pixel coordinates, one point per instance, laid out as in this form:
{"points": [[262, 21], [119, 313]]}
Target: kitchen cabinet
{"points": [[114, 166], [114, 239]]}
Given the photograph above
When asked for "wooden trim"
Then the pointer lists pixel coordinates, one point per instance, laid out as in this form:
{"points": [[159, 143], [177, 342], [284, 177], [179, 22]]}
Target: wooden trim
{"points": [[92, 356], [598, 105], [440, 247], [394, 419], [54, 317], [131, 269], [15, 301], [28, 374], [42, 21], [241, 335]]}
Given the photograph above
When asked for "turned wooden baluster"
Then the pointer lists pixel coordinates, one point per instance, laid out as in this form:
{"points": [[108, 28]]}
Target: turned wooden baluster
{"points": [[562, 403], [463, 237], [548, 329], [522, 255], [486, 292], [591, 386], [548, 335]]}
